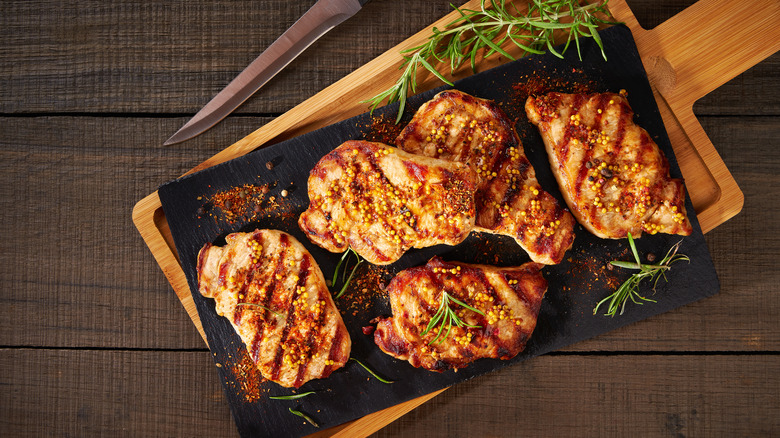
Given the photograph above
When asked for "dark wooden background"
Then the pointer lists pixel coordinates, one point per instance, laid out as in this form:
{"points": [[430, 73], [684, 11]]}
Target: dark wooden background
{"points": [[93, 340]]}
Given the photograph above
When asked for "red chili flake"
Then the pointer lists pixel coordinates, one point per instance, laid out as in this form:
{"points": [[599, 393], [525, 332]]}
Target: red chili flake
{"points": [[383, 130], [238, 203], [364, 289]]}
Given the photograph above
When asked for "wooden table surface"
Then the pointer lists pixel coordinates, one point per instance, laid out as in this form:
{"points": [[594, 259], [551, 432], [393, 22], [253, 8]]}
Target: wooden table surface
{"points": [[93, 341]]}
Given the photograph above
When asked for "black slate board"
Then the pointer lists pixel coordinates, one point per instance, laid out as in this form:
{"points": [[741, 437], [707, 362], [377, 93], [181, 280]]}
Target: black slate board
{"points": [[575, 285]]}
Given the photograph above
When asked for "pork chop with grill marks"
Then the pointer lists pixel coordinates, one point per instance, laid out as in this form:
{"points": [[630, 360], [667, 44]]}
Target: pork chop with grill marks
{"points": [[382, 201], [612, 174], [458, 127], [273, 293], [508, 299]]}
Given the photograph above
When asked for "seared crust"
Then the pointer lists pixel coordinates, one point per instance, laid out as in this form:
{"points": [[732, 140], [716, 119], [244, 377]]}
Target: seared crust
{"points": [[287, 318], [458, 127], [510, 299], [613, 176], [382, 201]]}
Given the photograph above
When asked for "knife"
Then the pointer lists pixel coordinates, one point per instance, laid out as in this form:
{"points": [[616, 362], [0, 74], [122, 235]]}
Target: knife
{"points": [[318, 20]]}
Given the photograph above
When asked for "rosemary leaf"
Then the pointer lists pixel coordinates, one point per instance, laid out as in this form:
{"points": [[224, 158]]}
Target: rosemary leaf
{"points": [[629, 290], [371, 371], [259, 306], [344, 279], [486, 29], [445, 317], [304, 416], [291, 397]]}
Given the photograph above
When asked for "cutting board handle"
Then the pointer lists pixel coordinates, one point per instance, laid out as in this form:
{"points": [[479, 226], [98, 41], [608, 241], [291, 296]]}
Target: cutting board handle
{"points": [[705, 45]]}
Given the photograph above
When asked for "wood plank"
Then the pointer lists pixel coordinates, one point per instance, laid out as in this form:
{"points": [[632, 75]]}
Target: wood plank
{"points": [[111, 393], [76, 393], [78, 266], [173, 57], [97, 167], [608, 396]]}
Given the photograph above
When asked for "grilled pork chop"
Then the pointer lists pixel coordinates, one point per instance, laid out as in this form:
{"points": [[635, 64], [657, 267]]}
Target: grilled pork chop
{"points": [[274, 294], [456, 126], [381, 201], [612, 174], [509, 299]]}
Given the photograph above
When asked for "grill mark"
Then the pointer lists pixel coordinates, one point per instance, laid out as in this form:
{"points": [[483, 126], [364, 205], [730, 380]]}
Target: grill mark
{"points": [[334, 353], [303, 273], [413, 132], [524, 166], [269, 290], [577, 102], [498, 345], [248, 280], [563, 145], [239, 312], [276, 364], [418, 171], [270, 283], [222, 273], [437, 283], [519, 288], [480, 278]]}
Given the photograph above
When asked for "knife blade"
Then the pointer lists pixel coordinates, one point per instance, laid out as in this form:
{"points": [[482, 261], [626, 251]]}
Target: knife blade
{"points": [[317, 21]]}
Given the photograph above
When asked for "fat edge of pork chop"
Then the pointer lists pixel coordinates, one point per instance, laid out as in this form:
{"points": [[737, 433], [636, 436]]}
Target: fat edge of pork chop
{"points": [[509, 298], [459, 127], [382, 201], [612, 174], [274, 294]]}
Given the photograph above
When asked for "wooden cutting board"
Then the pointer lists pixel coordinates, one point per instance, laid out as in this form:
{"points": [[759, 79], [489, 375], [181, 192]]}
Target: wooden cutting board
{"points": [[686, 57]]}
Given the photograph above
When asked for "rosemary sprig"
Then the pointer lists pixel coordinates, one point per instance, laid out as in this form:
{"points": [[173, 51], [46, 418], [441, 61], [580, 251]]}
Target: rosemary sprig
{"points": [[445, 316], [304, 416], [344, 260], [630, 288], [371, 371], [260, 306], [291, 397], [486, 30]]}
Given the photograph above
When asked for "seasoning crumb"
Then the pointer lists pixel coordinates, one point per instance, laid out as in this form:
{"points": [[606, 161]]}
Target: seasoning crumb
{"points": [[284, 193], [269, 165]]}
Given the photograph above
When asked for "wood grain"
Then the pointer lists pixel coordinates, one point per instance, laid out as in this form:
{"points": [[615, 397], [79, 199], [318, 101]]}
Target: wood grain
{"points": [[147, 57], [95, 342], [136, 56], [75, 393], [608, 396]]}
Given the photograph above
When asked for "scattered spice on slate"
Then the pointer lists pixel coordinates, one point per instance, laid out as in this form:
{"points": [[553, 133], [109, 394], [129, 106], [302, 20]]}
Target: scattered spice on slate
{"points": [[383, 129], [364, 289], [236, 203]]}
